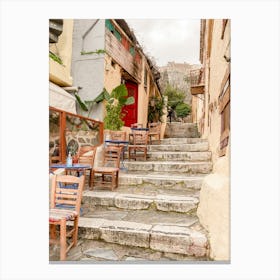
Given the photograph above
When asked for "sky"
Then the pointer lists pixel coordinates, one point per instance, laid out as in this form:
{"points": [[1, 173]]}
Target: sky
{"points": [[168, 39]]}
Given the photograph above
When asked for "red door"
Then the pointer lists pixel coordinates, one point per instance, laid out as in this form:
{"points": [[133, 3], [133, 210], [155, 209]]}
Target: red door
{"points": [[131, 111]]}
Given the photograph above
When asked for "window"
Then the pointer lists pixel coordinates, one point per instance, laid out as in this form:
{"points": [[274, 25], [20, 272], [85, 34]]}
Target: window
{"points": [[132, 51], [113, 29]]}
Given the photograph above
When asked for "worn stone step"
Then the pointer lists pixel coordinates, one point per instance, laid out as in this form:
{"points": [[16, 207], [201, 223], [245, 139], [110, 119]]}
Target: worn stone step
{"points": [[179, 156], [170, 166], [171, 141], [197, 147], [181, 130], [93, 251], [168, 237], [160, 180], [167, 203]]}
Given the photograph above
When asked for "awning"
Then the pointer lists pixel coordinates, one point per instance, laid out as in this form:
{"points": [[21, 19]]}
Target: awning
{"points": [[61, 99]]}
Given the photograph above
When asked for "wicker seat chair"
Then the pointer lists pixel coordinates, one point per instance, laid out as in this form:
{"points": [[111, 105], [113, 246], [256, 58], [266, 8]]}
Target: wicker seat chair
{"points": [[110, 170], [139, 145], [154, 131], [66, 195], [86, 155]]}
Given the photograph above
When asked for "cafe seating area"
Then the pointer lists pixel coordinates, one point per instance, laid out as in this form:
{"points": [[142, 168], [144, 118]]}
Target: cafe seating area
{"points": [[66, 189]]}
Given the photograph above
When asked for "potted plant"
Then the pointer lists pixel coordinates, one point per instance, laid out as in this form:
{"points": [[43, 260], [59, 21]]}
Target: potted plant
{"points": [[116, 100]]}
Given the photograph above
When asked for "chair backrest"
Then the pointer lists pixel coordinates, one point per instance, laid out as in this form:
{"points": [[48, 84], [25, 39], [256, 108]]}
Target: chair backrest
{"points": [[112, 156], [140, 137], [154, 127], [136, 125], [67, 191], [118, 135], [86, 154]]}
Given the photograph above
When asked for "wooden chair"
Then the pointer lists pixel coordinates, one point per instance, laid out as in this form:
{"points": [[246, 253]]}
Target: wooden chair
{"points": [[86, 155], [110, 169], [139, 145], [66, 195], [117, 135], [154, 131]]}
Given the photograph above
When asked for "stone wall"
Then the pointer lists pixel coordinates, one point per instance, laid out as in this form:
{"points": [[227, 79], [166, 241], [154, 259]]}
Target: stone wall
{"points": [[76, 139]]}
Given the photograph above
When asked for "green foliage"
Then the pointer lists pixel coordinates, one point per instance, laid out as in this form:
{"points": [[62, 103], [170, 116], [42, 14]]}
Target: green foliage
{"points": [[113, 118], [55, 58], [81, 103], [155, 110], [182, 110], [115, 102], [174, 95], [100, 51]]}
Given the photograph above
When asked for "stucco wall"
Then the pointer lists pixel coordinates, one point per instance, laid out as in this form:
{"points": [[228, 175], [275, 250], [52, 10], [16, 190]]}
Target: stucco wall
{"points": [[61, 74], [213, 210], [88, 69]]}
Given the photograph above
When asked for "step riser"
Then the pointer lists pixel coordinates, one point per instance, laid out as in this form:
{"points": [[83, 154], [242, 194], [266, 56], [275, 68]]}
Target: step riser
{"points": [[186, 168], [179, 141], [200, 147], [169, 184], [189, 156], [170, 239], [122, 201], [178, 130]]}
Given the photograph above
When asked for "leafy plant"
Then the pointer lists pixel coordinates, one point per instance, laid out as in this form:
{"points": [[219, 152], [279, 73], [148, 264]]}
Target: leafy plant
{"points": [[55, 58], [182, 110], [174, 95], [155, 110], [100, 51], [115, 102]]}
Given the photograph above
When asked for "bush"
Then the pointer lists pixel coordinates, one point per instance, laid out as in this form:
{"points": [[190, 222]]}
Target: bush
{"points": [[182, 110]]}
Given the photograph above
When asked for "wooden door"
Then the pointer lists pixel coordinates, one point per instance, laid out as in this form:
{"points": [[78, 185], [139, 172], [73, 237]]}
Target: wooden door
{"points": [[131, 111]]}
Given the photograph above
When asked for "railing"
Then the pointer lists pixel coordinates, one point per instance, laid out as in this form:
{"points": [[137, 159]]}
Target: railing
{"points": [[67, 132], [197, 77]]}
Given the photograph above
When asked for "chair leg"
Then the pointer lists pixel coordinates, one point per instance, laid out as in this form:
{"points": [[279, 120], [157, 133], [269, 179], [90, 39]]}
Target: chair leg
{"points": [[117, 179], [113, 181], [91, 180], [63, 245], [75, 233], [53, 231]]}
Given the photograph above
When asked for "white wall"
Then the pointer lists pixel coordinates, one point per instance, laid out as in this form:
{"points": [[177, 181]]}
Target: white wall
{"points": [[88, 69]]}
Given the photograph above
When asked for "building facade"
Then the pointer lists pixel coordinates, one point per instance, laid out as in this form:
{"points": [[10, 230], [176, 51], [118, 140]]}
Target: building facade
{"points": [[106, 54], [211, 112]]}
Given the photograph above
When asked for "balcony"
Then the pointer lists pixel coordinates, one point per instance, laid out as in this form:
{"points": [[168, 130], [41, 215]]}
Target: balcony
{"points": [[125, 58], [197, 81]]}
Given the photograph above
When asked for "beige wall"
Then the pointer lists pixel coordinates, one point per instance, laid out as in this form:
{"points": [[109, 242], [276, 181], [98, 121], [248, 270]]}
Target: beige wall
{"points": [[213, 210], [61, 74]]}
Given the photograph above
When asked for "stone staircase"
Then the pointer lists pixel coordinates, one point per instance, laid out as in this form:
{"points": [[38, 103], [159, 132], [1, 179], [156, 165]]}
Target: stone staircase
{"points": [[152, 214]]}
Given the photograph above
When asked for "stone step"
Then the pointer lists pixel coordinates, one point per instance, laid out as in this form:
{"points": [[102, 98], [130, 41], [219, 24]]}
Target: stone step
{"points": [[170, 166], [157, 180], [181, 238], [179, 156], [166, 203], [197, 147], [181, 130], [171, 141], [94, 251]]}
